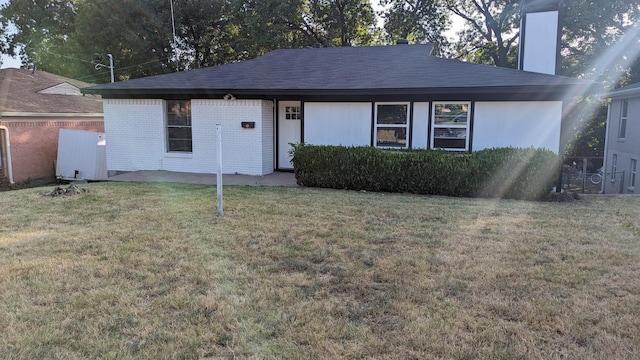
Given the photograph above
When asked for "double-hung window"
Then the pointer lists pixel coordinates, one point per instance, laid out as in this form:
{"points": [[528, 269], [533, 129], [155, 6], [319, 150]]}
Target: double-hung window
{"points": [[179, 126], [450, 126], [622, 128], [392, 125]]}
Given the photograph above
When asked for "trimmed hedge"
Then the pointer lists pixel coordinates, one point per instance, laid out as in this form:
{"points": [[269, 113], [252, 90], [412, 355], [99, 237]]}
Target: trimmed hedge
{"points": [[513, 173]]}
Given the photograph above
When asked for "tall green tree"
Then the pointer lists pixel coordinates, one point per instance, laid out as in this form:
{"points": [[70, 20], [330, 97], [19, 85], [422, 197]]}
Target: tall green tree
{"points": [[42, 29], [491, 32], [418, 21], [204, 32], [343, 22], [265, 25], [601, 41], [136, 32]]}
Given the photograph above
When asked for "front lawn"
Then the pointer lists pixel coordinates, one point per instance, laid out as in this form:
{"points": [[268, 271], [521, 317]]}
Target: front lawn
{"points": [[150, 271]]}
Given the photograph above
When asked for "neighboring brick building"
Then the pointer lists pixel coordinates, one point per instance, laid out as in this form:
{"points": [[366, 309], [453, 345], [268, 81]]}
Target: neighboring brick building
{"points": [[34, 106]]}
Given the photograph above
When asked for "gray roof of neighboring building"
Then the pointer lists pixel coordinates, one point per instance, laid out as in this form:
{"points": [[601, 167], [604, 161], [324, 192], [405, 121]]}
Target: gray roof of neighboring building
{"points": [[629, 90], [380, 70]]}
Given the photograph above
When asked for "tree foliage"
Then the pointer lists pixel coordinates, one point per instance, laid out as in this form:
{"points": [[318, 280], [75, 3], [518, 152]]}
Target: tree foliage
{"points": [[601, 41], [65, 36], [491, 33], [418, 21], [42, 27]]}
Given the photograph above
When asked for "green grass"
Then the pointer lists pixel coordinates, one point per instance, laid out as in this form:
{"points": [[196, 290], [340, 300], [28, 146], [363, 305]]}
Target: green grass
{"points": [[150, 271]]}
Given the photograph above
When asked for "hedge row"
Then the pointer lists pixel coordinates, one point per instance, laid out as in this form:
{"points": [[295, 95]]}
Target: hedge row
{"points": [[513, 173]]}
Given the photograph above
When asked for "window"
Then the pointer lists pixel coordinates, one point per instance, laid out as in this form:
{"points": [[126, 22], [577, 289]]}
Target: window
{"points": [[179, 126], [292, 113], [392, 125], [450, 124], [614, 167], [632, 172], [622, 130]]}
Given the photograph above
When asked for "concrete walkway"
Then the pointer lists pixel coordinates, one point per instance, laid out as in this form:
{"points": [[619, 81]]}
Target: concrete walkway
{"points": [[286, 179]]}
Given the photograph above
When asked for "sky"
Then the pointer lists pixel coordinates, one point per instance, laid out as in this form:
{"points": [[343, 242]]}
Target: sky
{"points": [[9, 62]]}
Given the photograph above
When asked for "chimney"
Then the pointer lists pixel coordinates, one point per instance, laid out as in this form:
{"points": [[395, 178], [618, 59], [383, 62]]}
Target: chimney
{"points": [[540, 34]]}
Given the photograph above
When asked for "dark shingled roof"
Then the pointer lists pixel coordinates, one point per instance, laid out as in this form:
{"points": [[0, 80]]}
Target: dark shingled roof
{"points": [[20, 91], [376, 70]]}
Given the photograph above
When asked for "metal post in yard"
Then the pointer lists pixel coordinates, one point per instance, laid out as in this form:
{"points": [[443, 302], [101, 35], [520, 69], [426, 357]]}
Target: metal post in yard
{"points": [[219, 176], [584, 174], [560, 176]]}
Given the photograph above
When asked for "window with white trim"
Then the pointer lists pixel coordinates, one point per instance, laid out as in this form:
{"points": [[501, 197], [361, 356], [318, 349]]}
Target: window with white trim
{"points": [[450, 126], [614, 167], [392, 125], [179, 126], [632, 172], [622, 127]]}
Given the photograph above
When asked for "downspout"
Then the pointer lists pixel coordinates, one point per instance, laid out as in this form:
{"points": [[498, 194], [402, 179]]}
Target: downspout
{"points": [[6, 139]]}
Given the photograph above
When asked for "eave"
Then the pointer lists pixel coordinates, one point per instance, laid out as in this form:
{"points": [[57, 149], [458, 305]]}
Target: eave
{"points": [[505, 93]]}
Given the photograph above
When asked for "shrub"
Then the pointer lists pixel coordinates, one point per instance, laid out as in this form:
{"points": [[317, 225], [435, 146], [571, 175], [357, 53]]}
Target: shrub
{"points": [[514, 173]]}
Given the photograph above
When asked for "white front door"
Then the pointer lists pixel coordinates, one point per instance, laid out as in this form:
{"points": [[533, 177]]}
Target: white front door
{"points": [[289, 130]]}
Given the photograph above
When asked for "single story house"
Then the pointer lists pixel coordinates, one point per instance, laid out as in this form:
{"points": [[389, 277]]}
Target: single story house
{"points": [[387, 96], [393, 97], [622, 149], [34, 106]]}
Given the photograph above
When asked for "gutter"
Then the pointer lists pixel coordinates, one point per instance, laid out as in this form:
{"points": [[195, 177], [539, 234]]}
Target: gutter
{"points": [[9, 167], [621, 94], [59, 115]]}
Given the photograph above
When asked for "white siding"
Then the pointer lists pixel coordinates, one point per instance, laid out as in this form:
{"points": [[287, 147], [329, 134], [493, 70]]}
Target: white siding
{"points": [[540, 42], [627, 148], [337, 124], [517, 124], [136, 137], [420, 125]]}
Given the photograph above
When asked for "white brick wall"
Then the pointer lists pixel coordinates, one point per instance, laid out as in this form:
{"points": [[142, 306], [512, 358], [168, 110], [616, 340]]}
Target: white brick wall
{"points": [[135, 134], [136, 137]]}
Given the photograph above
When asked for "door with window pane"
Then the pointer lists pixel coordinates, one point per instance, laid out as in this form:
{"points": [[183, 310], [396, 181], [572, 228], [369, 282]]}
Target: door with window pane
{"points": [[289, 131]]}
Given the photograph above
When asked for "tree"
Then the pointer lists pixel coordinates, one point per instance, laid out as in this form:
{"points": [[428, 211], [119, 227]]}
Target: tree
{"points": [[136, 32], [43, 27], [591, 31], [264, 25], [600, 41], [343, 22], [204, 32], [492, 33], [418, 21]]}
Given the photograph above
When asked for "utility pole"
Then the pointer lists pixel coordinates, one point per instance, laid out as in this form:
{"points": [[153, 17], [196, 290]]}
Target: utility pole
{"points": [[110, 67], [175, 43]]}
